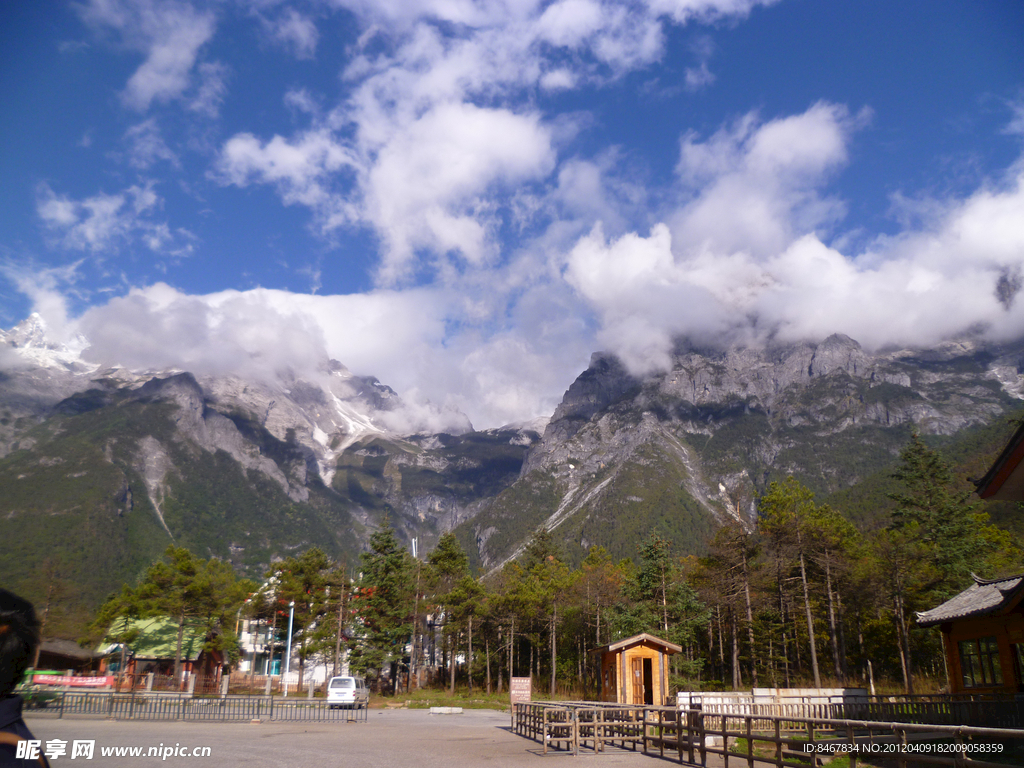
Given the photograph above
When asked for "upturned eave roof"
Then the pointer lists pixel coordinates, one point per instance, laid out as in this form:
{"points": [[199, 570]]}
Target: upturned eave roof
{"points": [[983, 598], [1004, 480]]}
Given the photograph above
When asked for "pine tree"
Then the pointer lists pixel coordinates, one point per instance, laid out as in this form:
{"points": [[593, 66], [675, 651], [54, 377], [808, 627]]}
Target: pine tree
{"points": [[193, 593], [385, 600], [785, 513], [448, 566], [304, 582], [951, 525]]}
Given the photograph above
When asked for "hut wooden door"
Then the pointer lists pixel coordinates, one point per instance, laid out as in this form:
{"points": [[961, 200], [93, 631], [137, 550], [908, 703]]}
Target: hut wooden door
{"points": [[636, 669]]}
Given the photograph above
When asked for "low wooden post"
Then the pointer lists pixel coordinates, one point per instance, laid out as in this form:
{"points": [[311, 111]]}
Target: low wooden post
{"points": [[575, 733], [679, 734], [544, 731], [725, 739], [691, 724], [778, 743], [750, 742], [701, 734]]}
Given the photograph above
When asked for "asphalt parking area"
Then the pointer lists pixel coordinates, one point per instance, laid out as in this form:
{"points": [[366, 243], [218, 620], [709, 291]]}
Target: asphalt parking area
{"points": [[389, 739]]}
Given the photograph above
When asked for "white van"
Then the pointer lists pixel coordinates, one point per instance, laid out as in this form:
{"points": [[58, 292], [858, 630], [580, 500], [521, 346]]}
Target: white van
{"points": [[347, 692]]}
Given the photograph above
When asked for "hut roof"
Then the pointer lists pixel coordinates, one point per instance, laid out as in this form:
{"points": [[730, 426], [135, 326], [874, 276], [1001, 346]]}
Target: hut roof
{"points": [[1004, 480], [981, 598], [68, 649], [643, 637], [158, 639]]}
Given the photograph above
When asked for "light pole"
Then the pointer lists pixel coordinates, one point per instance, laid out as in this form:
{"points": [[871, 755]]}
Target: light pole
{"points": [[288, 652]]}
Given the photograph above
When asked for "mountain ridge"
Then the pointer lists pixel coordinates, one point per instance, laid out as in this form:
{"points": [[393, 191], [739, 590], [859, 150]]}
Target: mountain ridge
{"points": [[109, 460]]}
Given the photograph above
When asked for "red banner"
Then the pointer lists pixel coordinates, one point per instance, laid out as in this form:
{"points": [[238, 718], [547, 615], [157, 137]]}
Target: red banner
{"points": [[73, 681]]}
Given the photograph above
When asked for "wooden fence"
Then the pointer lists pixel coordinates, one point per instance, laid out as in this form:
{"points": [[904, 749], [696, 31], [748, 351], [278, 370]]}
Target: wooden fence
{"points": [[568, 725], [1001, 712], [785, 742]]}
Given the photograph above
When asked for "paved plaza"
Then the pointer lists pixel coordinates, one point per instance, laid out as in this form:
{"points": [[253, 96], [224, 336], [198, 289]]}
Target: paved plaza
{"points": [[390, 739]]}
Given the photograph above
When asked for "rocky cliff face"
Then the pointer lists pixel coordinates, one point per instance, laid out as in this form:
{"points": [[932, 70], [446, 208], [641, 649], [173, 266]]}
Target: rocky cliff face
{"points": [[682, 449], [111, 465]]}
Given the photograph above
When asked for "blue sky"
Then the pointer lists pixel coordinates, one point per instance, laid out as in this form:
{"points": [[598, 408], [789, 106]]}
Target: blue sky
{"points": [[466, 199]]}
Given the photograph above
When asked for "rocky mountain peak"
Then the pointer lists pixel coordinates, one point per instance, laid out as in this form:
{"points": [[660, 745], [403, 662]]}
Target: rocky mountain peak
{"points": [[29, 333], [837, 352], [180, 388], [605, 381]]}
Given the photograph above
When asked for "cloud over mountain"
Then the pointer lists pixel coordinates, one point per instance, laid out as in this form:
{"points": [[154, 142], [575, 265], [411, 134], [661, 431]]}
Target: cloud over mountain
{"points": [[466, 199]]}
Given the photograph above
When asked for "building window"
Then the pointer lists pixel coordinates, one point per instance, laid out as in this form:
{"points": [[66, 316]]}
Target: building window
{"points": [[979, 662]]}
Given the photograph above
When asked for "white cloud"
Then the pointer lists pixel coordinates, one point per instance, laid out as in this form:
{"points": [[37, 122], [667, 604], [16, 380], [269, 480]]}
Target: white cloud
{"points": [[744, 259], [170, 34], [569, 23], [440, 138], [698, 78], [300, 169], [213, 87], [642, 296], [296, 32], [47, 289], [402, 337], [147, 146], [103, 223], [501, 342], [682, 11], [753, 187], [427, 187]]}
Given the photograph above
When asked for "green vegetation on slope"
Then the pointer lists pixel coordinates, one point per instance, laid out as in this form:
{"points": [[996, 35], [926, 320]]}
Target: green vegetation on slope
{"points": [[78, 507]]}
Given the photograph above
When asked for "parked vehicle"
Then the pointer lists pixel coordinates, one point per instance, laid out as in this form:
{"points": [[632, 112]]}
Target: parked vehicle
{"points": [[347, 691]]}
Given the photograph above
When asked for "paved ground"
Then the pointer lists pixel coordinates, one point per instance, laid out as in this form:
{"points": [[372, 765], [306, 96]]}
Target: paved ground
{"points": [[390, 739]]}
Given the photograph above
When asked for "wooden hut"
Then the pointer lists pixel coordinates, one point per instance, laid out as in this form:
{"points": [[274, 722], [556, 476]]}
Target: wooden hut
{"points": [[635, 670], [983, 636]]}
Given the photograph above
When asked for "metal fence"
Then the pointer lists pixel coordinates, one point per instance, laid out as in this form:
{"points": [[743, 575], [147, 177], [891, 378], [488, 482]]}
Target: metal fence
{"points": [[171, 706]]}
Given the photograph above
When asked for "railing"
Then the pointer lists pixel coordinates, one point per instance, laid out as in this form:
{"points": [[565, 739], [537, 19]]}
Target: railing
{"points": [[687, 733], [992, 712], [785, 742], [172, 706], [1003, 712], [571, 725], [145, 681]]}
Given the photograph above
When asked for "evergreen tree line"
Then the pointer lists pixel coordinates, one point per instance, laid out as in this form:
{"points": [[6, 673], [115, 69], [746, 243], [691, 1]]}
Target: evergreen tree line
{"points": [[799, 598]]}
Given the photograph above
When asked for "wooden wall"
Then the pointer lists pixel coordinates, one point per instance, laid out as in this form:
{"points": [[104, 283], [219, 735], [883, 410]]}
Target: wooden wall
{"points": [[616, 670], [1008, 631]]}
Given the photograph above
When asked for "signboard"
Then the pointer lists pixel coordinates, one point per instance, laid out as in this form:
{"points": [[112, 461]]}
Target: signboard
{"points": [[72, 681], [521, 689]]}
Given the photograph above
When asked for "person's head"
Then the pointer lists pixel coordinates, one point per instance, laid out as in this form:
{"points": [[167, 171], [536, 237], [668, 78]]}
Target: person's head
{"points": [[19, 636]]}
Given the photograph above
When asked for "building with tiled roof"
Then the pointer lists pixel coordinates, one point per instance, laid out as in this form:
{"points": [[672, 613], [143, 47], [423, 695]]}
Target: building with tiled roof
{"points": [[983, 636], [1004, 480]]}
